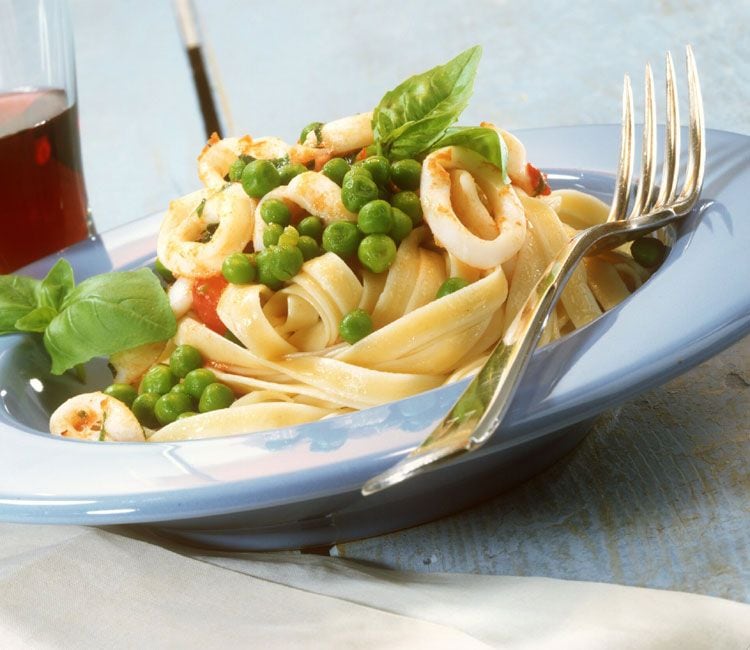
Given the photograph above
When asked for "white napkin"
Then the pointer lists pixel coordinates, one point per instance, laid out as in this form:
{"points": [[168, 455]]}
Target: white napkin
{"points": [[91, 588]]}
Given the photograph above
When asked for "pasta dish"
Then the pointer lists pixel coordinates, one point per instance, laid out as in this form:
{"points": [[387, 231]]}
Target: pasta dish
{"points": [[380, 256]]}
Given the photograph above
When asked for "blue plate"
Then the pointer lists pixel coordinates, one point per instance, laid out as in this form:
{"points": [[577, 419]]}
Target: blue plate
{"points": [[299, 486]]}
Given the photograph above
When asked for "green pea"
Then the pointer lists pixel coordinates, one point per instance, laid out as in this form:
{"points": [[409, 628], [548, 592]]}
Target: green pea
{"points": [[357, 191], [451, 285], [377, 252], [648, 252], [313, 126], [289, 171], [143, 409], [309, 247], [214, 397], [286, 261], [158, 379], [259, 178], [341, 237], [409, 203], [275, 211], [163, 271], [311, 227], [375, 217], [236, 169], [356, 170], [238, 268], [379, 168], [371, 150], [197, 380], [266, 275], [186, 414], [355, 325], [406, 174], [183, 359], [272, 233], [124, 392], [289, 237], [168, 407], [180, 388], [336, 169], [402, 225]]}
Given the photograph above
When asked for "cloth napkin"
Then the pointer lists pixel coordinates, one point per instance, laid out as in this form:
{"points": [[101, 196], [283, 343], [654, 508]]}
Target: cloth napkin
{"points": [[78, 587]]}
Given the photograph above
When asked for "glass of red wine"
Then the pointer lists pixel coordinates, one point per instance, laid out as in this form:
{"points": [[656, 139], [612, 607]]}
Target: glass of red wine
{"points": [[43, 205]]}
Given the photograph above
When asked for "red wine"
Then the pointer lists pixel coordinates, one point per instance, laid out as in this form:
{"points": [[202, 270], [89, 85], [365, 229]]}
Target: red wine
{"points": [[42, 195]]}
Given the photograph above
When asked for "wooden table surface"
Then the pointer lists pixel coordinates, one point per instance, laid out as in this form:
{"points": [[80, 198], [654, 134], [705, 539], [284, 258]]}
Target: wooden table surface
{"points": [[658, 494]]}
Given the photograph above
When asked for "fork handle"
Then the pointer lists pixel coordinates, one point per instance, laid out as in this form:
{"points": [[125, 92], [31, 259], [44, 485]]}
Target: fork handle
{"points": [[480, 409]]}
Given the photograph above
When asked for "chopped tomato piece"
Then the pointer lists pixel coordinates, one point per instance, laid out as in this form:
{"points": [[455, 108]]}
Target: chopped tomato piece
{"points": [[206, 294], [538, 180]]}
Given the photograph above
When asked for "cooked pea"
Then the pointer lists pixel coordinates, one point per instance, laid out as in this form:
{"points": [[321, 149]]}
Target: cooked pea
{"points": [[311, 227], [355, 325], [163, 271], [259, 178], [402, 225], [379, 168], [406, 174], [451, 285], [238, 268], [264, 261], [275, 211], [271, 234], [375, 217], [357, 191], [341, 237], [377, 252], [143, 409], [236, 169], [197, 380], [183, 359], [214, 397], [309, 247], [158, 379], [285, 261], [289, 237], [648, 252], [168, 407], [336, 169], [186, 414], [408, 202], [124, 392], [289, 171]]}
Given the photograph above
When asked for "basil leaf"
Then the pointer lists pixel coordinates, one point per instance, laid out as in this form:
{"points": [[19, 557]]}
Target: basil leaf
{"points": [[108, 313], [413, 115], [18, 297], [36, 320], [58, 283], [484, 141]]}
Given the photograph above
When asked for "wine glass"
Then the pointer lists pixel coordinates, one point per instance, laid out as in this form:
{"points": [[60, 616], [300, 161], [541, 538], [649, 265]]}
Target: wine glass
{"points": [[44, 206]]}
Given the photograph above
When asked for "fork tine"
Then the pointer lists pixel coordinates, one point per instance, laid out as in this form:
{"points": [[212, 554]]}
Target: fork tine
{"points": [[668, 189], [625, 164], [697, 156], [645, 195]]}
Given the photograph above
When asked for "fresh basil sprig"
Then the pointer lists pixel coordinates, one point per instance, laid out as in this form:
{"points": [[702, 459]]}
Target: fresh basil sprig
{"points": [[104, 314], [412, 116], [415, 118]]}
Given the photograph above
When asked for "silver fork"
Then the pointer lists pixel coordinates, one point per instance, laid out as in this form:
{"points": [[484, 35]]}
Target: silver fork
{"points": [[479, 411]]}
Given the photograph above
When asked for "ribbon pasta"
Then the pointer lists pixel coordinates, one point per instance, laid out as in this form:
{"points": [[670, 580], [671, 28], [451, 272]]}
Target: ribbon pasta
{"points": [[287, 362]]}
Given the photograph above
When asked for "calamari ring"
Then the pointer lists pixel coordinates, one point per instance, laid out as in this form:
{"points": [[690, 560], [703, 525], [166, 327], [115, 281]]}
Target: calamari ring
{"points": [[502, 206], [337, 137], [177, 246], [315, 193], [218, 155]]}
